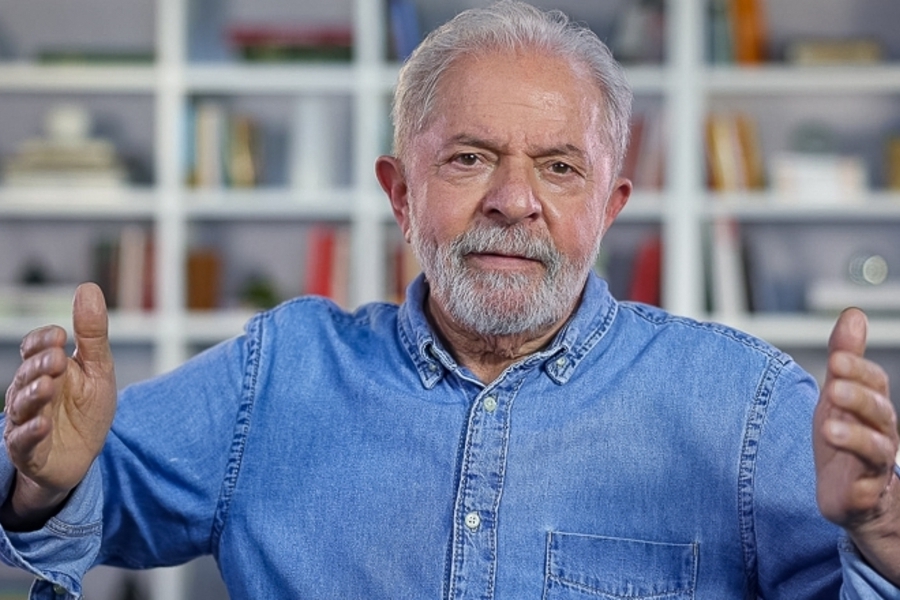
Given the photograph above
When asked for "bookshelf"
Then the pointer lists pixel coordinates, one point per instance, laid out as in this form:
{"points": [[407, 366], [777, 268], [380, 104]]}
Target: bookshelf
{"points": [[144, 106]]}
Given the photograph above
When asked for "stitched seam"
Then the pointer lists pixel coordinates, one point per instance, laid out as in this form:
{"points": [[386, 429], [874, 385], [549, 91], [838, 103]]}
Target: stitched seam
{"points": [[242, 426], [747, 471]]}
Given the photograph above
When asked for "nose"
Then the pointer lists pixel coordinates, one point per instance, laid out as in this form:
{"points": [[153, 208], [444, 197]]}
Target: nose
{"points": [[513, 195]]}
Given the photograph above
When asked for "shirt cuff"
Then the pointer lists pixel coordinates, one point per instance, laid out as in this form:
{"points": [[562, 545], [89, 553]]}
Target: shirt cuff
{"points": [[60, 553], [861, 581]]}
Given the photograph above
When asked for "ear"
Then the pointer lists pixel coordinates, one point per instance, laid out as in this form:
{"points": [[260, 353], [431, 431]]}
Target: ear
{"points": [[389, 171], [617, 200]]}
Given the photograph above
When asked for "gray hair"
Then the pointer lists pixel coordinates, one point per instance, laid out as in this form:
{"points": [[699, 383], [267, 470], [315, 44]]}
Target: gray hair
{"points": [[508, 25]]}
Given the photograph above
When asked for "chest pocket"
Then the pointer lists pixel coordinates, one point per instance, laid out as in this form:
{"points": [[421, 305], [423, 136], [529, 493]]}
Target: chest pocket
{"points": [[581, 567]]}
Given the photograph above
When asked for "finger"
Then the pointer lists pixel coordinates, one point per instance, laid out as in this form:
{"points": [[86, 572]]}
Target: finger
{"points": [[875, 450], [846, 365], [41, 339], [91, 328], [849, 333], [22, 442], [27, 402], [864, 404], [49, 362]]}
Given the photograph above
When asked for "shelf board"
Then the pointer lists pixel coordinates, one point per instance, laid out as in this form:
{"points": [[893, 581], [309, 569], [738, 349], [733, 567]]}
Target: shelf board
{"points": [[215, 326], [812, 331], [66, 203], [647, 79], [644, 205], [770, 207], [275, 203], [270, 78], [29, 77], [123, 327], [779, 78]]}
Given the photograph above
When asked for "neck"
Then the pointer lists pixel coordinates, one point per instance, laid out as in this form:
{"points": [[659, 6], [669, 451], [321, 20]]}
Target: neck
{"points": [[487, 356]]}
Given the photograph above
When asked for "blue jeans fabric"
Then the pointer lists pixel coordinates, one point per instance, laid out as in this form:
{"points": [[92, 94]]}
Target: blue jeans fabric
{"points": [[332, 455]]}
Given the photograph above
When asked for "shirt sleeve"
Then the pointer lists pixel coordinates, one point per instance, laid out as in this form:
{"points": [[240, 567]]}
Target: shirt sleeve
{"points": [[151, 497], [799, 554], [60, 553]]}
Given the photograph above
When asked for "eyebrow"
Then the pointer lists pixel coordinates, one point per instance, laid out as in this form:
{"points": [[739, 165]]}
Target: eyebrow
{"points": [[467, 139]]}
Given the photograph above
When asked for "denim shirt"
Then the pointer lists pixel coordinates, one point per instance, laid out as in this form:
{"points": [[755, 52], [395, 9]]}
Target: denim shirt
{"points": [[325, 455]]}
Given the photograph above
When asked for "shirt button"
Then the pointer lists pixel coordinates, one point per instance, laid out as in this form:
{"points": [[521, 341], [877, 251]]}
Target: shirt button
{"points": [[561, 361], [59, 590], [490, 404], [473, 521]]}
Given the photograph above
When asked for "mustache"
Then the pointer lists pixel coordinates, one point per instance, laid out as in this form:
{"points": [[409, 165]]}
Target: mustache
{"points": [[513, 240]]}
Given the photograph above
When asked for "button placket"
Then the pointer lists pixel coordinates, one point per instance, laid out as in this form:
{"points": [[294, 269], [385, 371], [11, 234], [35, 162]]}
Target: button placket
{"points": [[481, 482]]}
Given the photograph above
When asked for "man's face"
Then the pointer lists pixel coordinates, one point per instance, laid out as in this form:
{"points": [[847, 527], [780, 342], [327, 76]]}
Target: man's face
{"points": [[508, 190]]}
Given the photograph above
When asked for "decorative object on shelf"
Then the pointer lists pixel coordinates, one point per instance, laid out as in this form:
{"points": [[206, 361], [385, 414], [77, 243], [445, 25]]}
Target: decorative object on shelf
{"points": [[281, 43], [36, 292], [867, 286], [258, 292], [809, 52], [67, 156], [814, 172]]}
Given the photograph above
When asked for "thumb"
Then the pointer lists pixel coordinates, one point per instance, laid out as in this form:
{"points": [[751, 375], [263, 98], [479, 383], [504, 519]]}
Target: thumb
{"points": [[849, 333], [91, 325]]}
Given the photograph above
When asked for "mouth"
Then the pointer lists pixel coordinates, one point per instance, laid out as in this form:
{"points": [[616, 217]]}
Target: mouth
{"points": [[500, 260]]}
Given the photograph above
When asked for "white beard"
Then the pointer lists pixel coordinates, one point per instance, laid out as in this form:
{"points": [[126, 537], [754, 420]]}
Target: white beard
{"points": [[500, 303]]}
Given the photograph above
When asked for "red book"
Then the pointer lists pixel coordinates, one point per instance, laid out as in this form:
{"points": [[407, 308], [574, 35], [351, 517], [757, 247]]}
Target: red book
{"points": [[646, 282], [320, 250]]}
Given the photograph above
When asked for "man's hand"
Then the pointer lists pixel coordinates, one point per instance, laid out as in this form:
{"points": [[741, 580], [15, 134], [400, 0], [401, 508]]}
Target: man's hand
{"points": [[855, 442], [58, 411]]}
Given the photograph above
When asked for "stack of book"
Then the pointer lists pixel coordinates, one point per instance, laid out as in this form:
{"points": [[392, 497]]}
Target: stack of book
{"points": [[67, 156]]}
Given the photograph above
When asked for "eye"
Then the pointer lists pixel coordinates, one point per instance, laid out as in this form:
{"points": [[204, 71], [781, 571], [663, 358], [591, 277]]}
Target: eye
{"points": [[467, 159], [560, 168]]}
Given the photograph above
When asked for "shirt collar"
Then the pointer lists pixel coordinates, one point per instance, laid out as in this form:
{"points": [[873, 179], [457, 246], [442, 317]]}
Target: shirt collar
{"points": [[587, 326]]}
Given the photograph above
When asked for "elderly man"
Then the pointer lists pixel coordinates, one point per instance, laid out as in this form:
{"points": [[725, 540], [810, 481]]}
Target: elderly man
{"points": [[510, 431]]}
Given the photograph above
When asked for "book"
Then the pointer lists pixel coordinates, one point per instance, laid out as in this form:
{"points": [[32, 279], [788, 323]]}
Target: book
{"points": [[280, 43], [733, 153], [327, 262], [646, 279], [727, 276], [749, 32], [209, 123], [892, 162], [404, 268], [721, 50], [647, 156], [405, 30], [123, 265], [204, 275], [809, 52]]}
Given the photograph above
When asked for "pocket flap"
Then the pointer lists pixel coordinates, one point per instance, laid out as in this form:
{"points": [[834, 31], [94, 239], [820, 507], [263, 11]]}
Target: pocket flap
{"points": [[620, 567]]}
